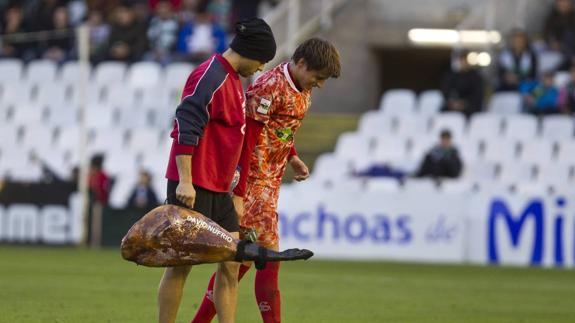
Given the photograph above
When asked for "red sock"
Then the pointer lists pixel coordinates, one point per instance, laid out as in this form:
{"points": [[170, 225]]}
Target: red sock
{"points": [[207, 309], [268, 294]]}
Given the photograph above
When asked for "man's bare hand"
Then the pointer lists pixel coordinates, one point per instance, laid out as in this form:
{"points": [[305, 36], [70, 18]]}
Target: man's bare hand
{"points": [[300, 169], [186, 194]]}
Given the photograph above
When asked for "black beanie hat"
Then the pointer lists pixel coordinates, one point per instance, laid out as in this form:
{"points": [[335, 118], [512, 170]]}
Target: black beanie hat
{"points": [[254, 40]]}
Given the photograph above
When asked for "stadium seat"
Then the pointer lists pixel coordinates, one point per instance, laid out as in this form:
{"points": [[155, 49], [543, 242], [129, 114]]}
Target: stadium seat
{"points": [[123, 186], [500, 150], [411, 125], [389, 149], [549, 61], [383, 185], [37, 136], [110, 73], [99, 116], [136, 117], [55, 93], [485, 125], [453, 121], [143, 139], [156, 98], [29, 113], [119, 162], [537, 151], [420, 186], [398, 101], [556, 174], [480, 171], [505, 103], [530, 189], [561, 79], [10, 70], [558, 127], [62, 115], [430, 102], [517, 172], [93, 94], [41, 71], [566, 151], [520, 127], [352, 144], [373, 123], [330, 166], [70, 72], [9, 135], [417, 146], [456, 186], [469, 149], [119, 96], [155, 163], [68, 137], [144, 75], [176, 75], [16, 92], [107, 140]]}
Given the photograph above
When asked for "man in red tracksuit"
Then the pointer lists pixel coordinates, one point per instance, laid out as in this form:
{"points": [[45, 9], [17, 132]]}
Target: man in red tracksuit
{"points": [[208, 134], [277, 102]]}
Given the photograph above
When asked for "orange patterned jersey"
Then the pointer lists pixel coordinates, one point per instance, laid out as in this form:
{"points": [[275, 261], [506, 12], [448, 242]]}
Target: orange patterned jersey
{"points": [[274, 100]]}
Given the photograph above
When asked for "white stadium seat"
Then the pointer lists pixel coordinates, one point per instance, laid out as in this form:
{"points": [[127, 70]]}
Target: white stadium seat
{"points": [[520, 127], [176, 75], [144, 75], [430, 102], [558, 127], [70, 72], [398, 101], [500, 150], [556, 173], [41, 71], [537, 151], [411, 125], [485, 125], [10, 70], [143, 139], [517, 172], [373, 123], [352, 144], [382, 184], [566, 151], [505, 103], [480, 171], [110, 72], [452, 121], [389, 149], [330, 166]]}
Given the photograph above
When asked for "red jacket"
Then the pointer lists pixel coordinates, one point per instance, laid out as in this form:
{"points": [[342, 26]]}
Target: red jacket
{"points": [[210, 125]]}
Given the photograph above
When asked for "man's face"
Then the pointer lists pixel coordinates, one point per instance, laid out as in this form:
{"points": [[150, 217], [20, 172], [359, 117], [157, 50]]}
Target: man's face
{"points": [[445, 142], [308, 79], [249, 66]]}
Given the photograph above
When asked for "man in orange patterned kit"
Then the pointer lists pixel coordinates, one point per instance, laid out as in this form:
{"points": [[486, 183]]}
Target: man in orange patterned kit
{"points": [[277, 102]]}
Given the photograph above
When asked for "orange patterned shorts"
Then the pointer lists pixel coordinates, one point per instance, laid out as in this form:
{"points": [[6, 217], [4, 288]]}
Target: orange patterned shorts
{"points": [[260, 204]]}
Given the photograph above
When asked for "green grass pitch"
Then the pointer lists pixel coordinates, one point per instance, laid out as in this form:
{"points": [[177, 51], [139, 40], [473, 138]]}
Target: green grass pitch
{"points": [[76, 285]]}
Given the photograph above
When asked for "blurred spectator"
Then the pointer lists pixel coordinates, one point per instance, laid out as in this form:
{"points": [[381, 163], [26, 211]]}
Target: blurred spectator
{"points": [[162, 33], [99, 33], [559, 30], [59, 47], [200, 38], [40, 15], [442, 160], [244, 9], [13, 23], [540, 97], [220, 11], [106, 7], [188, 11], [517, 62], [566, 99], [127, 41], [143, 196], [98, 181], [462, 87], [175, 4]]}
